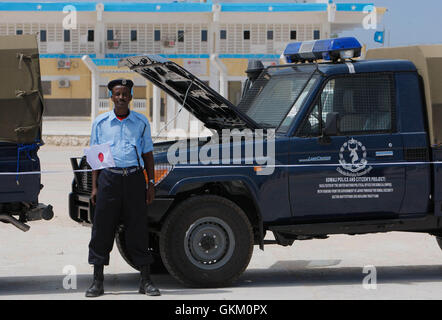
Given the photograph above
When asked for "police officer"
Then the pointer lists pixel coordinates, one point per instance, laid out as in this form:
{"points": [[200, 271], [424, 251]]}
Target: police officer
{"points": [[120, 194]]}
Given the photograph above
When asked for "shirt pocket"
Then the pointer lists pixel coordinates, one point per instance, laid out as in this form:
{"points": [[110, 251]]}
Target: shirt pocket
{"points": [[132, 143], [110, 142], [107, 137]]}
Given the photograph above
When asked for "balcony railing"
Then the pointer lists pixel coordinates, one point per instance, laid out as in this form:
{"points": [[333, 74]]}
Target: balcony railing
{"points": [[139, 104], [103, 104]]}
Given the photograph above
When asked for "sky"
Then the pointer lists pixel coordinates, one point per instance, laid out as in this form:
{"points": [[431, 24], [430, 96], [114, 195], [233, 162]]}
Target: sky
{"points": [[407, 22]]}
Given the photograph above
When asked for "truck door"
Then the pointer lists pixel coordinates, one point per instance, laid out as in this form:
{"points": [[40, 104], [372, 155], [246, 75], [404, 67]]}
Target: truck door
{"points": [[356, 171]]}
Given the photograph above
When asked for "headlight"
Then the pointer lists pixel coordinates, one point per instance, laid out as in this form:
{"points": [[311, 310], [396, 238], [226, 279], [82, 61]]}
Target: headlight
{"points": [[161, 171]]}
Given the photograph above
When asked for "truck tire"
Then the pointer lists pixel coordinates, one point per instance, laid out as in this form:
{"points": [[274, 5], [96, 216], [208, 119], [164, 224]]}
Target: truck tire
{"points": [[155, 268], [206, 241]]}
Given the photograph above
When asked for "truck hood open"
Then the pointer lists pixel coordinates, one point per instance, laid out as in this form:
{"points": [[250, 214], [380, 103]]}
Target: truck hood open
{"points": [[203, 102]]}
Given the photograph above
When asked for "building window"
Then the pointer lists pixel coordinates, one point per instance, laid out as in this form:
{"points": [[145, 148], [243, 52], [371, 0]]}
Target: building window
{"points": [[67, 35], [90, 35], [246, 35], [133, 35], [270, 35], [234, 91], [293, 35], [204, 35], [316, 35], [46, 86], [19, 31], [157, 35], [162, 109], [180, 36], [110, 34], [43, 36], [223, 34]]}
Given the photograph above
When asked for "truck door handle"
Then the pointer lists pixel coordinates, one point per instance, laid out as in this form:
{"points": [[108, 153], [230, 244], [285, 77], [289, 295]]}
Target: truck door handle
{"points": [[384, 153]]}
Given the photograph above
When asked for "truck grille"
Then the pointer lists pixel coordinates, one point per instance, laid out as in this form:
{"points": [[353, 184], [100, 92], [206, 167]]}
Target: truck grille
{"points": [[85, 178]]}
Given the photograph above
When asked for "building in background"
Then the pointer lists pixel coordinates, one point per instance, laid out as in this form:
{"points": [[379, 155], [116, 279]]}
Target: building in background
{"points": [[212, 40]]}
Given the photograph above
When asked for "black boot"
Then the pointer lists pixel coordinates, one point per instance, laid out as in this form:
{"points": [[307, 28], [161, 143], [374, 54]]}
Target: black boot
{"points": [[146, 284], [96, 289]]}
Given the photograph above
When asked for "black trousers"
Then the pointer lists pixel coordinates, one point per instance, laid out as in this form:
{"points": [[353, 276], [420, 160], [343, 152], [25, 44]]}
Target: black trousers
{"points": [[120, 199]]}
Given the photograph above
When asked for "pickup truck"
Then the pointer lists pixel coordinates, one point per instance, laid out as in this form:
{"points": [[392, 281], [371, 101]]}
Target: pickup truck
{"points": [[356, 150], [21, 110]]}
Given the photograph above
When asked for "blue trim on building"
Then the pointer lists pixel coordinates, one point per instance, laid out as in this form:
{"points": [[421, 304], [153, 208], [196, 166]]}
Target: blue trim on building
{"points": [[180, 7], [113, 58], [273, 7], [62, 56], [106, 62], [355, 7], [249, 56], [168, 56], [46, 6], [157, 7]]}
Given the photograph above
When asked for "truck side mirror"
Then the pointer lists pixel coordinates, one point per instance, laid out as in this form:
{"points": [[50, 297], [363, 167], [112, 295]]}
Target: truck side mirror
{"points": [[331, 124]]}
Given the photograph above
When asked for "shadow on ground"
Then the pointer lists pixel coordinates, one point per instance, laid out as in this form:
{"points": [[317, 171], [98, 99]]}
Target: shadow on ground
{"points": [[114, 285], [281, 274], [322, 273]]}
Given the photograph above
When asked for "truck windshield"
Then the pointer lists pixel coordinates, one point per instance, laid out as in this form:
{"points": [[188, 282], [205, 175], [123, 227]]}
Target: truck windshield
{"points": [[278, 94]]}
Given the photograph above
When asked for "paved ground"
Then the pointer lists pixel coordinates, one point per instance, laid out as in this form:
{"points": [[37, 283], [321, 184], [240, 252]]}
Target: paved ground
{"points": [[409, 266], [66, 126]]}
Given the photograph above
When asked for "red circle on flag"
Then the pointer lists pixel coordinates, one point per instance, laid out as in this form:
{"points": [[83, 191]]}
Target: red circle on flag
{"points": [[100, 157]]}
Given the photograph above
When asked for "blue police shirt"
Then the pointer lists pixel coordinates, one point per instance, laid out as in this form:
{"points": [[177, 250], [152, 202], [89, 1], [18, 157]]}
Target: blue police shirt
{"points": [[126, 137]]}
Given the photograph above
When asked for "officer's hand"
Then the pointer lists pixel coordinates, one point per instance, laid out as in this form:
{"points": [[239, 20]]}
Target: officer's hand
{"points": [[94, 196], [150, 194]]}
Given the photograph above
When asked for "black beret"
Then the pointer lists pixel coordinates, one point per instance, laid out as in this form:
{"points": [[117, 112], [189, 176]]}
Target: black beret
{"points": [[120, 82]]}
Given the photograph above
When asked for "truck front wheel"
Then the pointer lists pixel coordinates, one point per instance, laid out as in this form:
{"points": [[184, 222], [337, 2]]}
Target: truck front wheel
{"points": [[206, 241], [156, 268]]}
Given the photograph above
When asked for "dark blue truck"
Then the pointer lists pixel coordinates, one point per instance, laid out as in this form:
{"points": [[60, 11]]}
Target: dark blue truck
{"points": [[352, 147], [21, 110]]}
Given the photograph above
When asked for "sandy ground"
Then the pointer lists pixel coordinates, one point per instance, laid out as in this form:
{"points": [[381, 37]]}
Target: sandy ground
{"points": [[33, 265]]}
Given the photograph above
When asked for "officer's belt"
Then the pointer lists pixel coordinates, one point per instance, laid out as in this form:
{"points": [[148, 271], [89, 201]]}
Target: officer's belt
{"points": [[124, 171]]}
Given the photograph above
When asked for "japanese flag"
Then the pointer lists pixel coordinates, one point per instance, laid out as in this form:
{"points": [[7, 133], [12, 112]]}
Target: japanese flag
{"points": [[99, 156]]}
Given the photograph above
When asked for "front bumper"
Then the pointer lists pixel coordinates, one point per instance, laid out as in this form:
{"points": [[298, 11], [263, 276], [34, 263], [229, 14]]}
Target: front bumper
{"points": [[82, 210]]}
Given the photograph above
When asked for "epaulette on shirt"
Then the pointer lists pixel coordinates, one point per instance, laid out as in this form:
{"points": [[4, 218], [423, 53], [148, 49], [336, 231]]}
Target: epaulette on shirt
{"points": [[141, 117]]}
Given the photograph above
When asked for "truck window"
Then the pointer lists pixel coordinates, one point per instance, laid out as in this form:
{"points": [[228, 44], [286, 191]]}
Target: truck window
{"points": [[297, 105], [274, 94], [365, 103]]}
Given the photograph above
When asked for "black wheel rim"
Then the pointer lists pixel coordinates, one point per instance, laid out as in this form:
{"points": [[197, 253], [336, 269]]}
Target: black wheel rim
{"points": [[209, 243]]}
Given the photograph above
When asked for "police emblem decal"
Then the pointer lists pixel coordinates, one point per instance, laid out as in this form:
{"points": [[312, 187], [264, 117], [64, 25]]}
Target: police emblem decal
{"points": [[356, 152]]}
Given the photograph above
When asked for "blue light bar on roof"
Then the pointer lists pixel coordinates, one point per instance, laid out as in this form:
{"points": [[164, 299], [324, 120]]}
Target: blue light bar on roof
{"points": [[329, 49]]}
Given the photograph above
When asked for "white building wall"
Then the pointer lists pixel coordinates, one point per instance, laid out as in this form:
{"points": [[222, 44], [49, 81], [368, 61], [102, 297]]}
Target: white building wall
{"points": [[168, 24]]}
